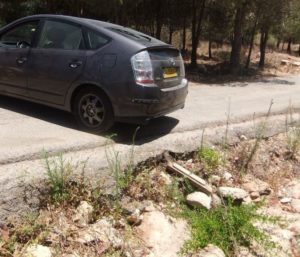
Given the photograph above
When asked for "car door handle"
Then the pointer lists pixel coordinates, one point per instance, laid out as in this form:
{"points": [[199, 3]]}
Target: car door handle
{"points": [[21, 60], [75, 64]]}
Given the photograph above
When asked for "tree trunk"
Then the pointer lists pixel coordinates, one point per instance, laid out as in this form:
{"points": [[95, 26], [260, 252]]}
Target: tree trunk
{"points": [[184, 35], [278, 43], [158, 29], [159, 22], [263, 45], [289, 48], [299, 50], [282, 48], [237, 38], [209, 49], [196, 29], [251, 44], [171, 31]]}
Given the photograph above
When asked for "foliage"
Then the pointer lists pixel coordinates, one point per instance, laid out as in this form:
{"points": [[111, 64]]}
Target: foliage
{"points": [[292, 134], [218, 21], [226, 227], [58, 173], [209, 157]]}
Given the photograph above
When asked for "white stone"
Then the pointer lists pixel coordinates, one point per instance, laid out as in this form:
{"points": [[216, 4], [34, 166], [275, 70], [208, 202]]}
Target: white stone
{"points": [[199, 199], [211, 251], [102, 231], [286, 200], [243, 138], [295, 203], [167, 179], [164, 237], [83, 213], [253, 184], [38, 251], [234, 193], [227, 176], [254, 195], [215, 180], [215, 201]]}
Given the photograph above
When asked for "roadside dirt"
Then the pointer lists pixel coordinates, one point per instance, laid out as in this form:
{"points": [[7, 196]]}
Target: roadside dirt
{"points": [[215, 70], [144, 221]]}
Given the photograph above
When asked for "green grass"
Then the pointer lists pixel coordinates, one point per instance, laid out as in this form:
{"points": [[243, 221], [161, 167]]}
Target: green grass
{"points": [[210, 158], [292, 134], [226, 227], [58, 173]]}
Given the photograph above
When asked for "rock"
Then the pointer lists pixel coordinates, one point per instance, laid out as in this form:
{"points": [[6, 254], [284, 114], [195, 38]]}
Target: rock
{"points": [[199, 199], [254, 195], [166, 178], [38, 251], [149, 206], [293, 190], [285, 200], [135, 218], [243, 138], [215, 180], [102, 231], [211, 251], [232, 192], [256, 185], [215, 201], [227, 176], [129, 206], [83, 213], [295, 203], [161, 235]]}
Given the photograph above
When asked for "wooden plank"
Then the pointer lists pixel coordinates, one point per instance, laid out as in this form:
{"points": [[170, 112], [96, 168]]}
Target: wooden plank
{"points": [[194, 179]]}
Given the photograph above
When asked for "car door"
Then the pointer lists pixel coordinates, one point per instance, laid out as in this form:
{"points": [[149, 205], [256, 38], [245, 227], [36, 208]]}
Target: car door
{"points": [[15, 45], [56, 62]]}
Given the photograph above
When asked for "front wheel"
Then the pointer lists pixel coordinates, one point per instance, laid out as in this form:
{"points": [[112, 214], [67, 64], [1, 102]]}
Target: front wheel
{"points": [[93, 110]]}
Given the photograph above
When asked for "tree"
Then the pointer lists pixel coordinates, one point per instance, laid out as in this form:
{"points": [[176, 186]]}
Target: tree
{"points": [[240, 14], [198, 8]]}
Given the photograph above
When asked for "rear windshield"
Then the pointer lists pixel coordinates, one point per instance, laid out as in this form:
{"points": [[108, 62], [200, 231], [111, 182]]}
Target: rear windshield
{"points": [[130, 33]]}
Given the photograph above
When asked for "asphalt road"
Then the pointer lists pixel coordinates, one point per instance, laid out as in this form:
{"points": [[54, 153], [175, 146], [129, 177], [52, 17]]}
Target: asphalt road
{"points": [[27, 130]]}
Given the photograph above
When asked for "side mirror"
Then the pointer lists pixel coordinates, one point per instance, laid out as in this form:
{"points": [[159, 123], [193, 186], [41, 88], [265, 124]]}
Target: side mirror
{"points": [[23, 44]]}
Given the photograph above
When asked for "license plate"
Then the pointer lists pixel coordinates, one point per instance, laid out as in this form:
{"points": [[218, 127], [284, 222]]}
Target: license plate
{"points": [[170, 73]]}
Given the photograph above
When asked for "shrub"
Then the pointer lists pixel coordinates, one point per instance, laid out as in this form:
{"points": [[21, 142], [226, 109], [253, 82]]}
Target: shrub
{"points": [[209, 157], [227, 227]]}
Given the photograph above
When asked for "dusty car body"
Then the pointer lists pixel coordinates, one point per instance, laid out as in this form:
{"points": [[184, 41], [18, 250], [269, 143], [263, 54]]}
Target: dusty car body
{"points": [[101, 72]]}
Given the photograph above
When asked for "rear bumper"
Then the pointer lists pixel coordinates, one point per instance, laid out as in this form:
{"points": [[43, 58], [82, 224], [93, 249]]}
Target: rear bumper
{"points": [[153, 102]]}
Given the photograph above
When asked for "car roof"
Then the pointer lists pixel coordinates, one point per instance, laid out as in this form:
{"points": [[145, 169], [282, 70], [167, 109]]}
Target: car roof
{"points": [[84, 21], [95, 24]]}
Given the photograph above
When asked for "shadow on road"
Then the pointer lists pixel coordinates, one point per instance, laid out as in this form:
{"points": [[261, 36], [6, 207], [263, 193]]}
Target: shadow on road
{"points": [[120, 133]]}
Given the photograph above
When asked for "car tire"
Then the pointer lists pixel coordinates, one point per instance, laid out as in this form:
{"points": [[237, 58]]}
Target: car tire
{"points": [[93, 110]]}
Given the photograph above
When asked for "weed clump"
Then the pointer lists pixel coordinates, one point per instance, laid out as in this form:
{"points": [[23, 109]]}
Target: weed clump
{"points": [[210, 158], [58, 176], [228, 227]]}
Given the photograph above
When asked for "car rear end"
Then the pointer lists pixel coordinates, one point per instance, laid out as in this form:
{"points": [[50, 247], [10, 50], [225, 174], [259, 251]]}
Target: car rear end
{"points": [[160, 78], [149, 75]]}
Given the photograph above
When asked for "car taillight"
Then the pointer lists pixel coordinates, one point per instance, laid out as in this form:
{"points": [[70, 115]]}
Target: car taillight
{"points": [[142, 68]]}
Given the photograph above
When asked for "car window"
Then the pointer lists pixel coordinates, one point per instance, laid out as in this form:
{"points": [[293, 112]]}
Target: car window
{"points": [[60, 35], [95, 40], [20, 33]]}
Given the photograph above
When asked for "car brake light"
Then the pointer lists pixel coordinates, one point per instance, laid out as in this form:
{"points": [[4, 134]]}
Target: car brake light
{"points": [[142, 68]]}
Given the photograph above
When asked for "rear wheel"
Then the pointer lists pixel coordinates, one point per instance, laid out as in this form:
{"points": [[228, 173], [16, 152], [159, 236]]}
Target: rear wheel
{"points": [[93, 110]]}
